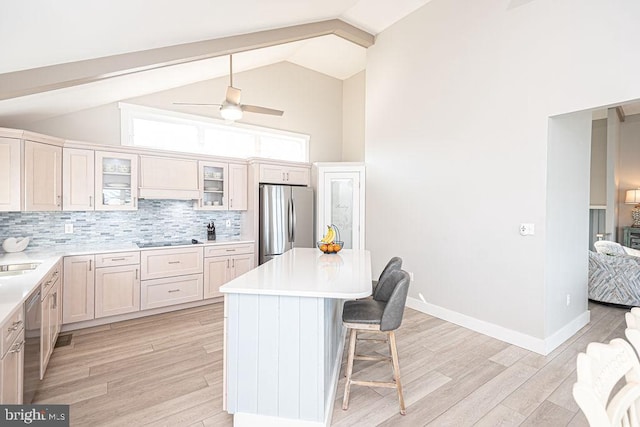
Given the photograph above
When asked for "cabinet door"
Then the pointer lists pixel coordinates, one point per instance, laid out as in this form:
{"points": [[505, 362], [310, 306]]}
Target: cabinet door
{"points": [[241, 264], [43, 177], [168, 178], [170, 291], [117, 290], [272, 174], [237, 187], [297, 176], [214, 186], [46, 346], [161, 263], [11, 368], [78, 289], [216, 274], [116, 181], [9, 174], [78, 179]]}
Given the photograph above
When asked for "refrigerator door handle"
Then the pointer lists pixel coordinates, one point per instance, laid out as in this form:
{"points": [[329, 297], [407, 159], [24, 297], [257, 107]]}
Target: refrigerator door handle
{"points": [[290, 222], [293, 221]]}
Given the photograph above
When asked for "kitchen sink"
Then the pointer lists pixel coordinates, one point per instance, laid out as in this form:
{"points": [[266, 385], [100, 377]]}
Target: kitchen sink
{"points": [[17, 269]]}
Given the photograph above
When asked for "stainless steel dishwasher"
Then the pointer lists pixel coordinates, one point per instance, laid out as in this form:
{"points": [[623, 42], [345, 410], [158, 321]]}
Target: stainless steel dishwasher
{"points": [[33, 315]]}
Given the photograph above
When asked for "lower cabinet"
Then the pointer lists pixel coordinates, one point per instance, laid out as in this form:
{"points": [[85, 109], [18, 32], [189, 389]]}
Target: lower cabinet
{"points": [[171, 290], [12, 359], [50, 316], [78, 296], [117, 290], [220, 269]]}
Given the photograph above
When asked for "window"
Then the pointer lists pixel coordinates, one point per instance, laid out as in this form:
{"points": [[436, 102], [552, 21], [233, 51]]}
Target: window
{"points": [[168, 130]]}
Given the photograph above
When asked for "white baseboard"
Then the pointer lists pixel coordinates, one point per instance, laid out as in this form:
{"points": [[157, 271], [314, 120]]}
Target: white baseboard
{"points": [[538, 345]]}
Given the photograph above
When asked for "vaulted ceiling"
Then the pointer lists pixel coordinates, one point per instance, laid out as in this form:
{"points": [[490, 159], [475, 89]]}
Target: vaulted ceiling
{"points": [[59, 57]]}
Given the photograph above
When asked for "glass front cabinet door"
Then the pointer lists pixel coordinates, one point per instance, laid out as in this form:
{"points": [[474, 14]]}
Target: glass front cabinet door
{"points": [[214, 186], [116, 181], [340, 201]]}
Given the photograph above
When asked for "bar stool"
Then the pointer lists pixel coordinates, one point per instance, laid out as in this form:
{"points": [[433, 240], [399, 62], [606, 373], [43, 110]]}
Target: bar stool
{"points": [[381, 314], [394, 264]]}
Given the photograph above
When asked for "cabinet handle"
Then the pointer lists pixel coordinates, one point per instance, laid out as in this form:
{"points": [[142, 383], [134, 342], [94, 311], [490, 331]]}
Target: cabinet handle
{"points": [[58, 200], [90, 201], [287, 176], [135, 202], [173, 290], [55, 301], [230, 202], [284, 177], [174, 262], [227, 263], [233, 263], [230, 250], [136, 274], [14, 326], [118, 259], [90, 262], [17, 347]]}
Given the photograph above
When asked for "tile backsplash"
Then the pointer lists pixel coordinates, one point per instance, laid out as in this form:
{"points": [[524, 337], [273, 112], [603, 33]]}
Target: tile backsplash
{"points": [[154, 221]]}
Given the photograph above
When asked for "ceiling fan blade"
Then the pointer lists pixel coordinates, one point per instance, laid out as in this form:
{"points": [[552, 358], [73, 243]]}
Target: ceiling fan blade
{"points": [[261, 110], [233, 95], [196, 104]]}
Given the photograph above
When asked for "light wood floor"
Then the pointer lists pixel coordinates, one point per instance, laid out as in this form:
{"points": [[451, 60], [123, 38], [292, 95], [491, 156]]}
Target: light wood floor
{"points": [[167, 370]]}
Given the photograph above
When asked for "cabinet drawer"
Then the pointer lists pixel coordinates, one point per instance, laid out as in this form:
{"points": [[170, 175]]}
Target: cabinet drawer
{"points": [[222, 250], [156, 264], [170, 291], [11, 329], [116, 259]]}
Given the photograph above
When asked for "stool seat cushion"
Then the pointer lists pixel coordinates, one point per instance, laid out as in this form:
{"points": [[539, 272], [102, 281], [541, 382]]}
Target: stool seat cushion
{"points": [[367, 312]]}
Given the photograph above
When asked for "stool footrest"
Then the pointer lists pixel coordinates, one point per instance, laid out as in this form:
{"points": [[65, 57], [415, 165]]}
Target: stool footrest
{"points": [[372, 358], [374, 384]]}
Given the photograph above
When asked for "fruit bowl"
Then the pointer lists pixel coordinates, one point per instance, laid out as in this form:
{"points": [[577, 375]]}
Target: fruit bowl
{"points": [[331, 248]]}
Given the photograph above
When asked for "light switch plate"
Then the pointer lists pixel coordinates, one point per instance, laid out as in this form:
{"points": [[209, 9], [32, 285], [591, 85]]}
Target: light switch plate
{"points": [[68, 229], [527, 229], [228, 223]]}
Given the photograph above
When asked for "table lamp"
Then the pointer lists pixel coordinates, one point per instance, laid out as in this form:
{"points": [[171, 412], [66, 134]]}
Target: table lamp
{"points": [[633, 198]]}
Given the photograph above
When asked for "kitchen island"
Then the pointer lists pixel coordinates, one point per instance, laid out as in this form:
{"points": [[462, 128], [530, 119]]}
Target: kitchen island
{"points": [[284, 336]]}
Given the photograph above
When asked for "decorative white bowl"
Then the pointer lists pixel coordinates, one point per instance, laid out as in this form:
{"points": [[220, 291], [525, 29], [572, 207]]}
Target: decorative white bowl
{"points": [[13, 244]]}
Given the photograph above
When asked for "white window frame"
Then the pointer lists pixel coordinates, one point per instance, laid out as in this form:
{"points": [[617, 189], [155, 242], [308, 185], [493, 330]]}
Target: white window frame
{"points": [[129, 112]]}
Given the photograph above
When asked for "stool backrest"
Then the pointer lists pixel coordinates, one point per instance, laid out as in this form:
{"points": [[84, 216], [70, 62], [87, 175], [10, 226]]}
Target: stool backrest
{"points": [[394, 264], [394, 309]]}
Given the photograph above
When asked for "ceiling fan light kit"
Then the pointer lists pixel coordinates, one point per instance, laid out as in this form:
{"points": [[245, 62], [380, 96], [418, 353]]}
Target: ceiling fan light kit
{"points": [[231, 109]]}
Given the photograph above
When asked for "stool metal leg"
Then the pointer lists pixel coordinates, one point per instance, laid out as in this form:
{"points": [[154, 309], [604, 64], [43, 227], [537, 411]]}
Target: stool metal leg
{"points": [[396, 370], [352, 352]]}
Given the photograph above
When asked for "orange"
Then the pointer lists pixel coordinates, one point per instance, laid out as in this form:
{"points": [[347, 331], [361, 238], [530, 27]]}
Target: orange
{"points": [[323, 248], [330, 247], [337, 248]]}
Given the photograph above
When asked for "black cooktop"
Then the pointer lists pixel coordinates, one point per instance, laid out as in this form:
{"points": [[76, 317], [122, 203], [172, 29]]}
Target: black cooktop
{"points": [[163, 244]]}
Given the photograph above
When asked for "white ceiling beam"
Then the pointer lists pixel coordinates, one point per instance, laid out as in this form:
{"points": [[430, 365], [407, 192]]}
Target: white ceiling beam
{"points": [[37, 80]]}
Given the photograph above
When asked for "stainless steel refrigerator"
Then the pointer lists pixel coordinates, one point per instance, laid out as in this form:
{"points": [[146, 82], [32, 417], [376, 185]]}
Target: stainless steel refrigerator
{"points": [[286, 219]]}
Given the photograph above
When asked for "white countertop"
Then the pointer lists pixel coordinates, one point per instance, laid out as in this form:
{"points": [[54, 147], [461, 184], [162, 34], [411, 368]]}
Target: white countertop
{"points": [[14, 290], [307, 272]]}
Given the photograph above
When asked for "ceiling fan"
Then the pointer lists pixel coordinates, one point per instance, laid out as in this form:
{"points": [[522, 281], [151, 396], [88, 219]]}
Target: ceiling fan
{"points": [[231, 108]]}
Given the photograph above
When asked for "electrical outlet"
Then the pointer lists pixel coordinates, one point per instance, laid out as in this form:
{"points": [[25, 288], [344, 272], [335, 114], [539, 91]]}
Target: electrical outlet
{"points": [[68, 229], [568, 299], [411, 276], [228, 223]]}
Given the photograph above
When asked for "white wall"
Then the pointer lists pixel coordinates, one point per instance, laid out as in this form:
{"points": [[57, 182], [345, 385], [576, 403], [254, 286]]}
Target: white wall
{"points": [[567, 219], [353, 104], [598, 179], [312, 103], [458, 99]]}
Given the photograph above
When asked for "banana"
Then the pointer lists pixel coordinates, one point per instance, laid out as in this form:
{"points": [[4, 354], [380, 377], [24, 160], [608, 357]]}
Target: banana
{"points": [[330, 236]]}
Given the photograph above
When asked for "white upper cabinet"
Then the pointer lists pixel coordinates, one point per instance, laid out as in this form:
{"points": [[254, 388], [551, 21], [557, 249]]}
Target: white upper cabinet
{"points": [[238, 187], [78, 180], [284, 174], [10, 174], [168, 178], [116, 184], [42, 177], [223, 186]]}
